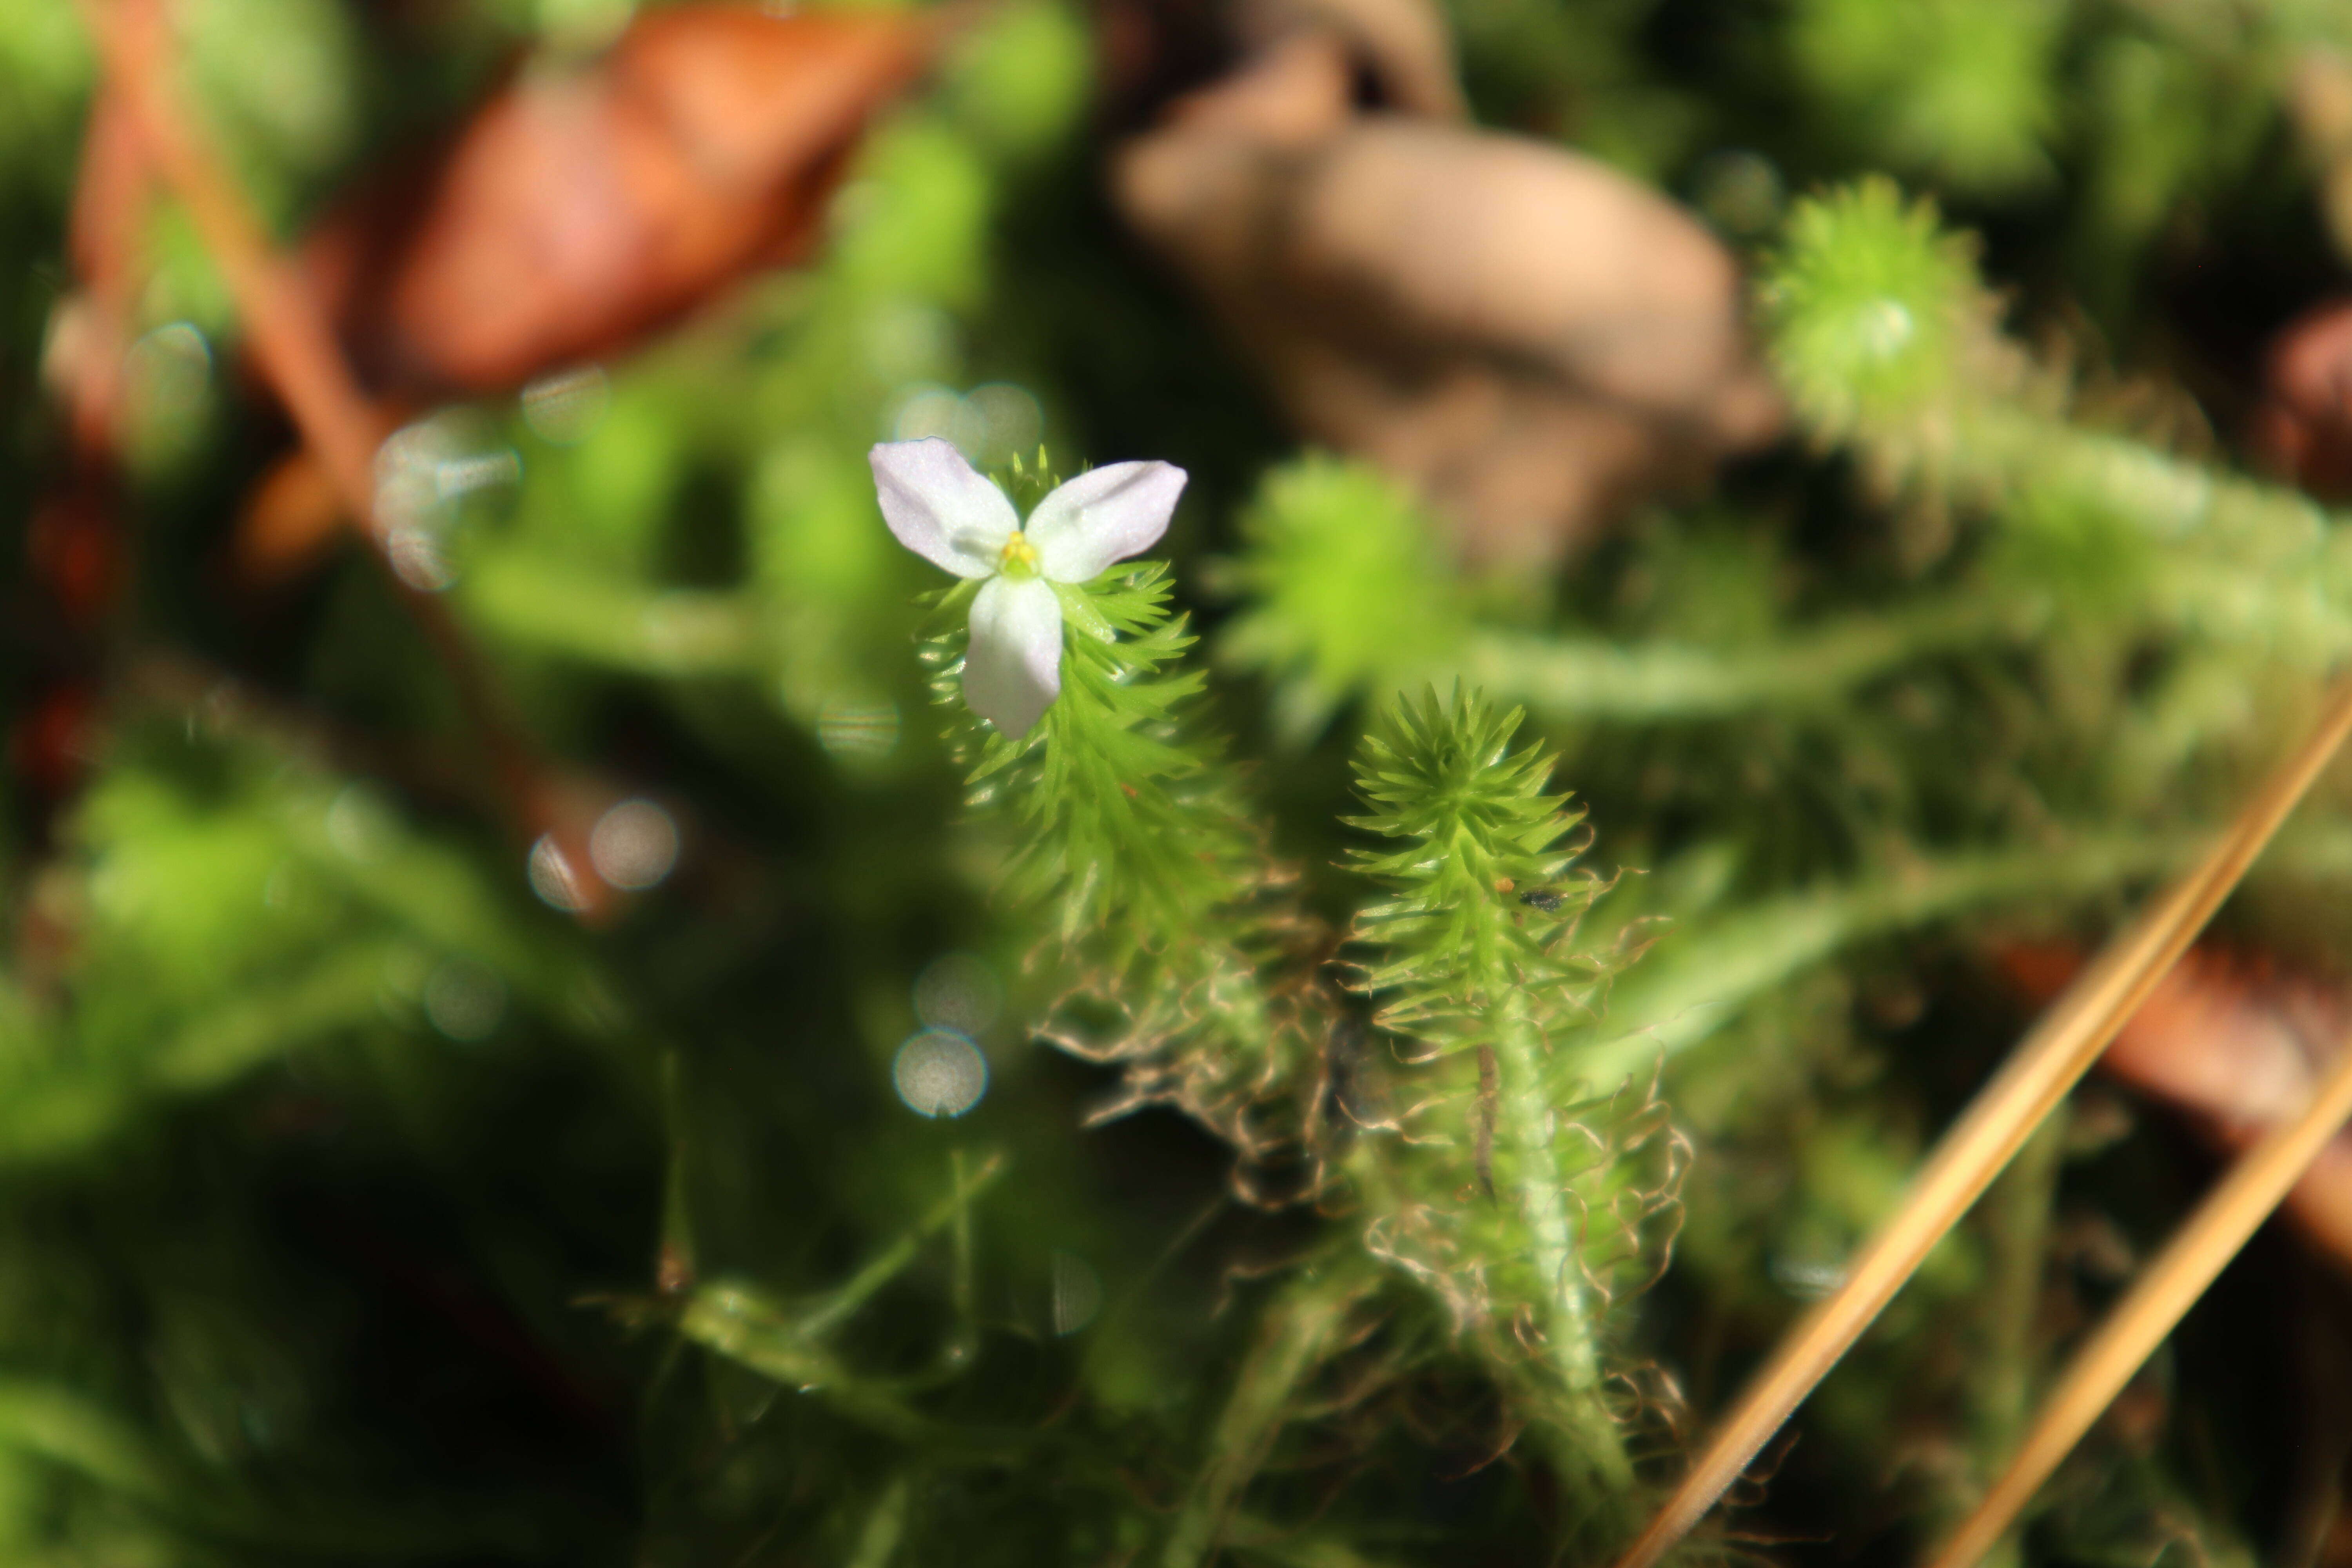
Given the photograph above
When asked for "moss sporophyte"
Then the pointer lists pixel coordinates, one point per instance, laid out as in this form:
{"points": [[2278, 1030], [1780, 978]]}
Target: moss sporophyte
{"points": [[944, 511]]}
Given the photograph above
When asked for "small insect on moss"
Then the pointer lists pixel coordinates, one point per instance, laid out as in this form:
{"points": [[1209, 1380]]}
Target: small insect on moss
{"points": [[1548, 899]]}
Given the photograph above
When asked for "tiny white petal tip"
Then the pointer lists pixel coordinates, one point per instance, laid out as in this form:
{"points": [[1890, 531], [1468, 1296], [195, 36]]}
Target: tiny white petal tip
{"points": [[1012, 669]]}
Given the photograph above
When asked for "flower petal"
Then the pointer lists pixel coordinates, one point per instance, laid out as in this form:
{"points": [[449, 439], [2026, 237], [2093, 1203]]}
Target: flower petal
{"points": [[939, 507], [1013, 671], [1104, 515]]}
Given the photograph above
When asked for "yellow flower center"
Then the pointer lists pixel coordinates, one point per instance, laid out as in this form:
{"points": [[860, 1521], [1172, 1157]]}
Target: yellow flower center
{"points": [[1020, 557]]}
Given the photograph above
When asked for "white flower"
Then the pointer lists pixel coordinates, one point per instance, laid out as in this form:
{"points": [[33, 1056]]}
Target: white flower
{"points": [[951, 516]]}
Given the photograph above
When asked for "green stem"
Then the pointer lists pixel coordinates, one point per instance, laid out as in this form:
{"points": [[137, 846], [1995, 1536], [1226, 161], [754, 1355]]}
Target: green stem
{"points": [[676, 1262], [611, 621], [887, 1264], [1703, 980], [1572, 678], [1527, 1121], [2172, 498], [1711, 971], [65, 1429], [1590, 1449], [885, 1522], [963, 1344], [2017, 1218], [1294, 1336]]}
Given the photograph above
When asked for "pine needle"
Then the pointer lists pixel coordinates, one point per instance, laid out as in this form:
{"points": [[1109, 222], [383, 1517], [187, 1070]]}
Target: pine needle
{"points": [[2044, 1066], [2255, 1185]]}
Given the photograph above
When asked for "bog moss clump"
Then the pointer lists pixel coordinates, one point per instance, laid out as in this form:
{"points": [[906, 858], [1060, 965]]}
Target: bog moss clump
{"points": [[1362, 1079]]}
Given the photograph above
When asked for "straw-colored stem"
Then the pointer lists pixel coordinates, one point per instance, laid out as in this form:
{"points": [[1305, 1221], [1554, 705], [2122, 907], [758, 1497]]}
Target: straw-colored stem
{"points": [[2044, 1066], [2222, 1225]]}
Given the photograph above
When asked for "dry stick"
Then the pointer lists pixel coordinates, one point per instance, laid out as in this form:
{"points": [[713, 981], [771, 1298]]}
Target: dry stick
{"points": [[2222, 1225], [2028, 1086], [298, 352]]}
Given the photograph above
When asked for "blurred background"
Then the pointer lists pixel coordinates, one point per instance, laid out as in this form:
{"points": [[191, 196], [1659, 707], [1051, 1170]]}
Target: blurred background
{"points": [[511, 1051]]}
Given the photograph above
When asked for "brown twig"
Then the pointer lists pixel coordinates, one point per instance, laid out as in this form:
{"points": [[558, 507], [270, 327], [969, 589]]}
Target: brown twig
{"points": [[113, 189], [76, 548], [2004, 1113], [2255, 1185], [297, 352]]}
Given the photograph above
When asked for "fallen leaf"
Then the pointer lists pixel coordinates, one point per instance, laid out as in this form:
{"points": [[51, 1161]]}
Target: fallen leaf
{"points": [[1531, 339], [55, 737], [1403, 44], [2303, 428], [2237, 1042], [584, 206]]}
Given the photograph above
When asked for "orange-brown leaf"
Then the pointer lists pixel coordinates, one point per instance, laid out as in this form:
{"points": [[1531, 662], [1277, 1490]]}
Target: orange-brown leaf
{"points": [[289, 519], [2303, 428], [580, 208], [1530, 339], [2238, 1043]]}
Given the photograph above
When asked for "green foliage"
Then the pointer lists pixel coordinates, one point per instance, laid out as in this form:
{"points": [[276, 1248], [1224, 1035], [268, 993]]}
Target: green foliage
{"points": [[1959, 89], [223, 918], [827, 360], [1473, 955], [280, 77], [1130, 838], [357, 1204], [1024, 81], [1869, 307], [1123, 823], [1480, 892], [46, 62], [1949, 407], [1348, 593], [1578, 71]]}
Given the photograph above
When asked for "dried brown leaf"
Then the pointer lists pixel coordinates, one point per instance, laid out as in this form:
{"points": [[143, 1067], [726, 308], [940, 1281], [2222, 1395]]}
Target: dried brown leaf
{"points": [[2239, 1042], [582, 207], [1531, 339], [2303, 428]]}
